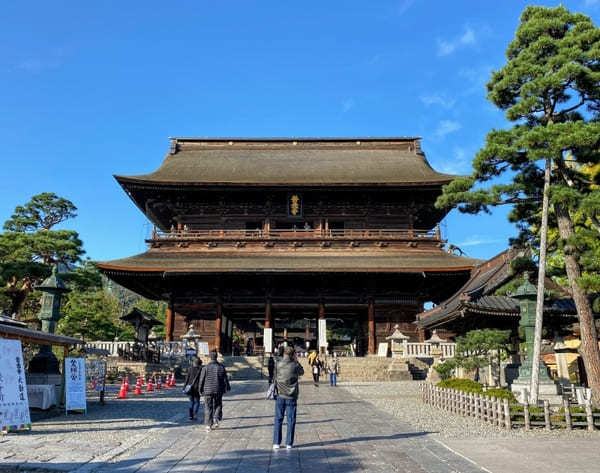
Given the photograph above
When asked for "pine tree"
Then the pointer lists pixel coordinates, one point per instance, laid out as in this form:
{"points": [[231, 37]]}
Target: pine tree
{"points": [[549, 89]]}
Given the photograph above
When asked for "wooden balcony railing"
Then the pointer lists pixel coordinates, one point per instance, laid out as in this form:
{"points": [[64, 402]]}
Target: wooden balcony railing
{"points": [[363, 234]]}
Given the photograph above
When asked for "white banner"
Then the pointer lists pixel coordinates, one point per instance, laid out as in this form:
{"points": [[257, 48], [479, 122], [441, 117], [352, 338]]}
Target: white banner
{"points": [[14, 405], [75, 384], [323, 333], [268, 340]]}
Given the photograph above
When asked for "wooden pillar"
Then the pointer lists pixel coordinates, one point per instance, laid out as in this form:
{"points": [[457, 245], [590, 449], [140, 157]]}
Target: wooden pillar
{"points": [[268, 312], [307, 330], [371, 326], [170, 322], [219, 321]]}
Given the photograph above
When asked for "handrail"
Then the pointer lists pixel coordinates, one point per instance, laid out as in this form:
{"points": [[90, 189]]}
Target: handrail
{"points": [[296, 234]]}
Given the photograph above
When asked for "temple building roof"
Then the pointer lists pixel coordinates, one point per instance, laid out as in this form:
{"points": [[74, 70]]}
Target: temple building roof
{"points": [[293, 162], [179, 261], [477, 296]]}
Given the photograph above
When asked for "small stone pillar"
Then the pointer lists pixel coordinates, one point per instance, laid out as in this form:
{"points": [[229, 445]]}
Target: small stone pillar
{"points": [[435, 350], [398, 341]]}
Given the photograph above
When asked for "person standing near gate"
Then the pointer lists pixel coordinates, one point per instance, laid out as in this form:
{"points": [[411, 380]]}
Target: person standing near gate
{"points": [[213, 384], [287, 374], [332, 367]]}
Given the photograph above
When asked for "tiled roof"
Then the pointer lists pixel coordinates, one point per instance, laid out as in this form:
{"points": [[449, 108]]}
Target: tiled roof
{"points": [[165, 261], [293, 161]]}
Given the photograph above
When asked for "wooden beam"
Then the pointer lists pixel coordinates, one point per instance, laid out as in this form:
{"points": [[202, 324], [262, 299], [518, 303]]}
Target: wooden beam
{"points": [[371, 326]]}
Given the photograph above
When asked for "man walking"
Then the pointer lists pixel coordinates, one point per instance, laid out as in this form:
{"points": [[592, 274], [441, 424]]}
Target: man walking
{"points": [[213, 383], [287, 373]]}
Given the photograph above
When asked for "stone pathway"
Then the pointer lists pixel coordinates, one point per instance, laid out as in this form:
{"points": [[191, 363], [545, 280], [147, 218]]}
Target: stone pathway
{"points": [[335, 432]]}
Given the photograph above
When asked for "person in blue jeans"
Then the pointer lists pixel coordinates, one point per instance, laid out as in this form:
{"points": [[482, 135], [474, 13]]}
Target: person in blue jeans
{"points": [[286, 376], [332, 367]]}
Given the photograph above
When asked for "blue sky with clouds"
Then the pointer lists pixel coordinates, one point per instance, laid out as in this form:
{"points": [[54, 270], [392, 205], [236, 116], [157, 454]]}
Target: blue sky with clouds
{"points": [[89, 89]]}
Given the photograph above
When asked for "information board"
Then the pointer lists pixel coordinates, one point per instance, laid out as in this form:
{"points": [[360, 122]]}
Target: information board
{"points": [[323, 333], [383, 349], [14, 404], [268, 340], [75, 384], [203, 348]]}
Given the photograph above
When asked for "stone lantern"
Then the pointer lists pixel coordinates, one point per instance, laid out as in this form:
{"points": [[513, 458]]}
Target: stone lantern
{"points": [[435, 350], [44, 362], [398, 340], [435, 345], [526, 294], [191, 338]]}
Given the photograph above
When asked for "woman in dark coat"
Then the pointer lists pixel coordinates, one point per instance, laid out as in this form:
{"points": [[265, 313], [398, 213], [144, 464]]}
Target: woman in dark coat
{"points": [[317, 366], [193, 379]]}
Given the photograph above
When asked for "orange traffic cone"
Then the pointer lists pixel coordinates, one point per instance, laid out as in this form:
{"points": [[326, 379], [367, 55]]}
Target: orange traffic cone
{"points": [[127, 388], [172, 384], [138, 390], [122, 392], [150, 385], [168, 382]]}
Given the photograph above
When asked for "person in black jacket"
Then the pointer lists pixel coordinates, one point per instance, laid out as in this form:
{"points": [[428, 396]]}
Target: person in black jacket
{"points": [[193, 379], [213, 383], [287, 374]]}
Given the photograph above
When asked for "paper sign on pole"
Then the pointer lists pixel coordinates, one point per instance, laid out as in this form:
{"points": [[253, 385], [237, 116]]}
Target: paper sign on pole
{"points": [[268, 340], [323, 333], [75, 385], [14, 404], [203, 348]]}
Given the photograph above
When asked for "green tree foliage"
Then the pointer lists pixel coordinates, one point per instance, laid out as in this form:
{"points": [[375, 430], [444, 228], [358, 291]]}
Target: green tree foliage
{"points": [[550, 91], [477, 348], [43, 211], [30, 245]]}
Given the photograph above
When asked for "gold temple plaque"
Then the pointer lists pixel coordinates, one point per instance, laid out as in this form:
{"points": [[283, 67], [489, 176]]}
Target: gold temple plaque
{"points": [[295, 205]]}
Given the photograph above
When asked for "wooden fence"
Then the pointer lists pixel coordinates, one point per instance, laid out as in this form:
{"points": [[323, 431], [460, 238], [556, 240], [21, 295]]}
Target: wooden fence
{"points": [[501, 413]]}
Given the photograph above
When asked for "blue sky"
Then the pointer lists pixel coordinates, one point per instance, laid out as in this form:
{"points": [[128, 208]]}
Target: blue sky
{"points": [[90, 89]]}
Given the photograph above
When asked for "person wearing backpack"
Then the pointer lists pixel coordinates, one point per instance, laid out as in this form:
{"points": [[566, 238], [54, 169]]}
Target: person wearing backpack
{"points": [[286, 377]]}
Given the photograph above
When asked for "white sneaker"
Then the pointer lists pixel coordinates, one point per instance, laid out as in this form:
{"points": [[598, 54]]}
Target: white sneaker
{"points": [[275, 446], [208, 429], [288, 447]]}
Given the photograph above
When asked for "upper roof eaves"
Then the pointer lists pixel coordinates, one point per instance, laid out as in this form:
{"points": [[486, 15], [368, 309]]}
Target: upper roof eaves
{"points": [[380, 161]]}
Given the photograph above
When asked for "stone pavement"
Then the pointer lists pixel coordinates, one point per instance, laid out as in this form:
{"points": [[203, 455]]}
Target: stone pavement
{"points": [[336, 432]]}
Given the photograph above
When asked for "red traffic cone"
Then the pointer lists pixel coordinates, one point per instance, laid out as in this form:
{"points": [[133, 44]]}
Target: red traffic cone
{"points": [[172, 383], [168, 382], [150, 385], [138, 390], [122, 392], [127, 388]]}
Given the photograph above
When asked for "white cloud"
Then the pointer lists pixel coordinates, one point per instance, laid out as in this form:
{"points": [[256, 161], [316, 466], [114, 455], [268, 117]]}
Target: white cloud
{"points": [[404, 5], [447, 126], [477, 240], [348, 105], [437, 99], [459, 163], [446, 47]]}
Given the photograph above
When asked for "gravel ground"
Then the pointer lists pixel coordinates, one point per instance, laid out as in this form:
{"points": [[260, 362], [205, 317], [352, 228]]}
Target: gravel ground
{"points": [[402, 400]]}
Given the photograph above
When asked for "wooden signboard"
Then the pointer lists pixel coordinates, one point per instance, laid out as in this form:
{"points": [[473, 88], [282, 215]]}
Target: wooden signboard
{"points": [[14, 404], [203, 348]]}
